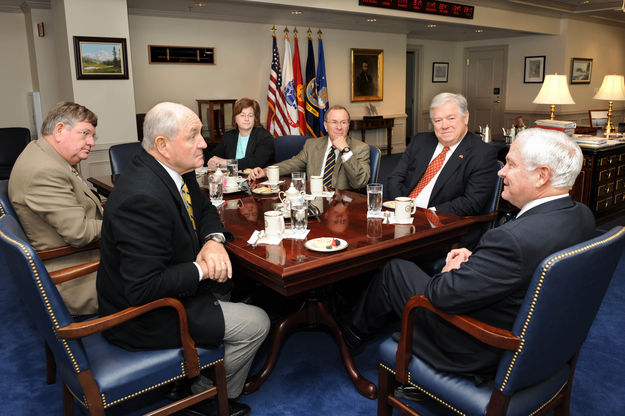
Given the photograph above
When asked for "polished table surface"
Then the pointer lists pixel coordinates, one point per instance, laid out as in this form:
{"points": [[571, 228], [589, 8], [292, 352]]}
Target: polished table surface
{"points": [[290, 268]]}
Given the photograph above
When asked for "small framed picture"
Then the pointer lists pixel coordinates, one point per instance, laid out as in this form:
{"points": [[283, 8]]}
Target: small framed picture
{"points": [[100, 58], [581, 70], [440, 71], [534, 72], [598, 118], [367, 74]]}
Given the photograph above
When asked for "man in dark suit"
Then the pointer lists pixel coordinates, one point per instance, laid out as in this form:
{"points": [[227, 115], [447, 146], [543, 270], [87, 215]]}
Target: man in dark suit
{"points": [[489, 283], [465, 181], [162, 237]]}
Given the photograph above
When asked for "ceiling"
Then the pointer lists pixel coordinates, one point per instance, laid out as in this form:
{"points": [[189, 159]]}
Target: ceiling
{"points": [[605, 11]]}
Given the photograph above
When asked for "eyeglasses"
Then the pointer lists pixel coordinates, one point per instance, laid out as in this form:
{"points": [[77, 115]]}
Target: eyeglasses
{"points": [[86, 134], [242, 115], [343, 123]]}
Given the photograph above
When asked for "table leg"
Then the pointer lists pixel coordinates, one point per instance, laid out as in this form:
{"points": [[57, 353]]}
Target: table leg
{"points": [[312, 312]]}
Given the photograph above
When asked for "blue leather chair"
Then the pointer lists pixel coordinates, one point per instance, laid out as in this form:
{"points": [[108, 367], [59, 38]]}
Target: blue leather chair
{"points": [[96, 373], [288, 146], [120, 155], [12, 141], [374, 161], [491, 212], [536, 370], [5, 204]]}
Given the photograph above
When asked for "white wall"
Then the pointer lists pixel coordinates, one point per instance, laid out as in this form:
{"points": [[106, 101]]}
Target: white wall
{"points": [[15, 81]]}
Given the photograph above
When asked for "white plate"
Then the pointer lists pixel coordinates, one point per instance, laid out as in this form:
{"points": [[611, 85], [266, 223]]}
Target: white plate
{"points": [[389, 204], [324, 244], [263, 190]]}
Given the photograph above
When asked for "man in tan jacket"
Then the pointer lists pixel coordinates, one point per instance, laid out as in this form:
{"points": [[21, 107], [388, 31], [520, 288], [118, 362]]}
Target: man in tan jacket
{"points": [[54, 203]]}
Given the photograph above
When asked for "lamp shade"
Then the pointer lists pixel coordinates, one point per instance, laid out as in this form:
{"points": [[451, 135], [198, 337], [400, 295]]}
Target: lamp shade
{"points": [[612, 88], [554, 91]]}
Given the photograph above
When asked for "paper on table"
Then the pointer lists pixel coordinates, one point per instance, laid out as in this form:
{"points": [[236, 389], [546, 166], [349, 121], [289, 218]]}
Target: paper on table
{"points": [[325, 194], [218, 204], [289, 233], [269, 183], [258, 238]]}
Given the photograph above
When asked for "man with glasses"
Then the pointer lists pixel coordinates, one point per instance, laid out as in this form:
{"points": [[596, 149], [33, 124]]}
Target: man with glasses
{"points": [[54, 203], [343, 162]]}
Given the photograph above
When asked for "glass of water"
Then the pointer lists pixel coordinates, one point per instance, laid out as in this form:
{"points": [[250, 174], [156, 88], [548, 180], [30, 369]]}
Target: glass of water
{"points": [[299, 216], [299, 181], [374, 197], [232, 168], [215, 189]]}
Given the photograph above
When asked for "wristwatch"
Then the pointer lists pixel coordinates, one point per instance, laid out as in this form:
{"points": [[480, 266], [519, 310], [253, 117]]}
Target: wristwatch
{"points": [[215, 237], [346, 150]]}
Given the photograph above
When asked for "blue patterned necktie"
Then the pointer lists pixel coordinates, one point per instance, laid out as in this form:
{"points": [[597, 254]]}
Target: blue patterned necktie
{"points": [[328, 170], [186, 197]]}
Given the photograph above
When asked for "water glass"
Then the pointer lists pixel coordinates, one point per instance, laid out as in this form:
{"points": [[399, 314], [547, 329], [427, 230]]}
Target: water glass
{"points": [[232, 168], [299, 216], [374, 197], [216, 190], [298, 179]]}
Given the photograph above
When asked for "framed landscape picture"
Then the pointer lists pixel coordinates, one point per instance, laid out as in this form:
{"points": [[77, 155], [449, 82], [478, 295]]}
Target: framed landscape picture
{"points": [[534, 70], [367, 74], [581, 70], [100, 58]]}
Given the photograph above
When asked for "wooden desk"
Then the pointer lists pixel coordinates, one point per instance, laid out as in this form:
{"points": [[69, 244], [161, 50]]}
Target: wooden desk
{"points": [[375, 123], [215, 117], [291, 269], [104, 184]]}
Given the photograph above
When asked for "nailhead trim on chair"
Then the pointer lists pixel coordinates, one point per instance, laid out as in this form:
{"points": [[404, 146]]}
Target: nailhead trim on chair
{"points": [[537, 293], [548, 401]]}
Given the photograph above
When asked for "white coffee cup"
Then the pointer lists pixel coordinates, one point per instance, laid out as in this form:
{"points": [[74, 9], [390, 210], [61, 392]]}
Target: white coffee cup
{"points": [[273, 174], [231, 183], [274, 224], [316, 185], [404, 208]]}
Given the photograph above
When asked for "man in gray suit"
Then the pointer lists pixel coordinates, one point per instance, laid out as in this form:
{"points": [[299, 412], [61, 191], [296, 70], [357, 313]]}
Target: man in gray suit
{"points": [[54, 203], [349, 165]]}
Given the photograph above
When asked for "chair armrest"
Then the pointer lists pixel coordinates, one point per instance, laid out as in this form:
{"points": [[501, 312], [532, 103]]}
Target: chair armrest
{"points": [[496, 337], [82, 329], [70, 273], [484, 217], [53, 253]]}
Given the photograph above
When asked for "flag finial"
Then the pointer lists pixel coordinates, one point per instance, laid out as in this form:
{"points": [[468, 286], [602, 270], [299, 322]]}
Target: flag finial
{"points": [[295, 31], [273, 30], [319, 33], [309, 33]]}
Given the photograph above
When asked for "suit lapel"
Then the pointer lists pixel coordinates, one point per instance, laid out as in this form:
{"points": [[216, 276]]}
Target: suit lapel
{"points": [[318, 156], [422, 160], [453, 164], [249, 151]]}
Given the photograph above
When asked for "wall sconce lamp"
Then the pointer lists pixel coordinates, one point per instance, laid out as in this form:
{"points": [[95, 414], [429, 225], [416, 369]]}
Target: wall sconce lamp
{"points": [[612, 89], [554, 91]]}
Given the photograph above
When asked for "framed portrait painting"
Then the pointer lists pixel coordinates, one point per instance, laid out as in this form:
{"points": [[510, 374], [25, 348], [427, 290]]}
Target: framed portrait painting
{"points": [[367, 74], [581, 70], [440, 71], [100, 58], [534, 70]]}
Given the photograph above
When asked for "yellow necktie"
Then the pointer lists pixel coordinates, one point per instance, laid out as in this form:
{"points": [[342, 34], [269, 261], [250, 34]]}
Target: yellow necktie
{"points": [[187, 202]]}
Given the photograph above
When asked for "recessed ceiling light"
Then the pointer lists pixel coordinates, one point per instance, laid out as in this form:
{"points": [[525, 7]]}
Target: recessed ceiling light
{"points": [[479, 30], [431, 25], [372, 19], [586, 2], [296, 12], [199, 3]]}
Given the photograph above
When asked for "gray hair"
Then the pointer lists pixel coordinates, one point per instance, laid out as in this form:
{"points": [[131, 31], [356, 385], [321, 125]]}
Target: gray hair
{"points": [[554, 149], [69, 114], [335, 107], [444, 97], [164, 119]]}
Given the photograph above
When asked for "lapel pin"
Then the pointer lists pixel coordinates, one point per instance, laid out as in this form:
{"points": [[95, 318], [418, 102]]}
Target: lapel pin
{"points": [[461, 156]]}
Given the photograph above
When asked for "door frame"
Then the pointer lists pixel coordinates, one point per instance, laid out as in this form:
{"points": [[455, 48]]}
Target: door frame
{"points": [[418, 87]]}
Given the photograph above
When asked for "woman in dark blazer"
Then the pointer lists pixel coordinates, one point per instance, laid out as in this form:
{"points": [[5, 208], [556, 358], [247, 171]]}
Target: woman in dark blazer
{"points": [[249, 143]]}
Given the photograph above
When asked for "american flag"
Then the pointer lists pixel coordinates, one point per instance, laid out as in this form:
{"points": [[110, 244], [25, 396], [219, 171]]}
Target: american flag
{"points": [[275, 111]]}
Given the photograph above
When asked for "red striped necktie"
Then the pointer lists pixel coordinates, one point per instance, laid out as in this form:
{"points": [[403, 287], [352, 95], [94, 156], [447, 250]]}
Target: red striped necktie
{"points": [[435, 165]]}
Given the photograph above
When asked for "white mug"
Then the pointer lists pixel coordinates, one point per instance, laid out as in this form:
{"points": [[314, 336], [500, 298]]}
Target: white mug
{"points": [[274, 223], [404, 208], [316, 185], [231, 183], [273, 174]]}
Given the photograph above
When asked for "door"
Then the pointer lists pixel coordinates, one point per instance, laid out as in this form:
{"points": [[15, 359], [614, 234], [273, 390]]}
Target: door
{"points": [[412, 92], [484, 83]]}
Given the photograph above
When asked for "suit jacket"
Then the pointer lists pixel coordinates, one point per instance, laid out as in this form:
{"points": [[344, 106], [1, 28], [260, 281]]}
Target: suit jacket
{"points": [[259, 151], [465, 183], [492, 284], [353, 174], [57, 208], [148, 248]]}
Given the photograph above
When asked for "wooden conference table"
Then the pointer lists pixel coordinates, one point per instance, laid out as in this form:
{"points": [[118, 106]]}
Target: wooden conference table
{"points": [[291, 269]]}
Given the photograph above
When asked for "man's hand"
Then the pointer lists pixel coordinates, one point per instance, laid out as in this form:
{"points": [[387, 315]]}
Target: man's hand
{"points": [[214, 162], [339, 142], [455, 258], [214, 262], [257, 173]]}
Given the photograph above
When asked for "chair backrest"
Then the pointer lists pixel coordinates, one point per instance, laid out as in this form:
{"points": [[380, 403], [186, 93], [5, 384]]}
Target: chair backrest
{"points": [[5, 202], [41, 299], [374, 162], [495, 198], [120, 155], [288, 146], [560, 305], [12, 141]]}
